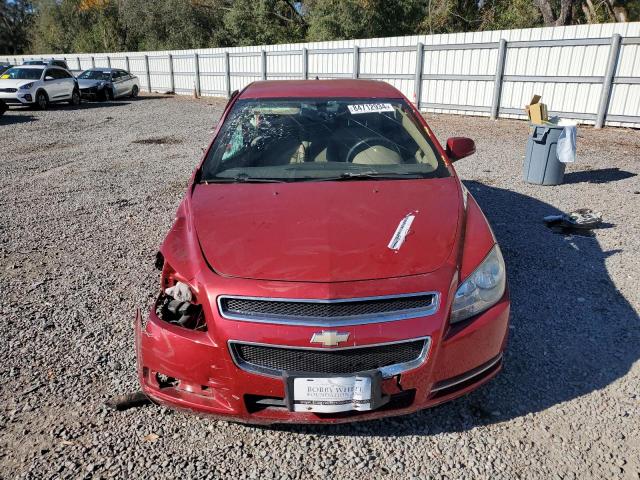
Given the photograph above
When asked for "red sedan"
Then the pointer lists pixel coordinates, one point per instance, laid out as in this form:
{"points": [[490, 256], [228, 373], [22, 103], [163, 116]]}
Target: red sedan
{"points": [[325, 265]]}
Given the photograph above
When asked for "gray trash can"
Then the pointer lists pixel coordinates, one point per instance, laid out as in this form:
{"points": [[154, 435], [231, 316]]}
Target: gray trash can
{"points": [[541, 165]]}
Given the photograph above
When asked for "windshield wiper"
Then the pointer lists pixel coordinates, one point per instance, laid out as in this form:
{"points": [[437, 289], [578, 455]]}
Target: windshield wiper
{"points": [[372, 176], [241, 178]]}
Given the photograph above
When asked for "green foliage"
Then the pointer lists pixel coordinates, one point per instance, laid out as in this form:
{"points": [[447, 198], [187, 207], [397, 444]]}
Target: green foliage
{"points": [[15, 21], [508, 14], [56, 26], [345, 19], [263, 22]]}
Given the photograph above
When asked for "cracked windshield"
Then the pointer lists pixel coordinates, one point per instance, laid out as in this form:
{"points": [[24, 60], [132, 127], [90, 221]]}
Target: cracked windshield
{"points": [[321, 140]]}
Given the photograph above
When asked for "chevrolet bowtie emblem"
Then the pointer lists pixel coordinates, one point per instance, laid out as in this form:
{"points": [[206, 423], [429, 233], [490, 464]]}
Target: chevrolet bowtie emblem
{"points": [[329, 338]]}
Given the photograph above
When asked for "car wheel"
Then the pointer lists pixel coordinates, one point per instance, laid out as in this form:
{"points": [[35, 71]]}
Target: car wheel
{"points": [[134, 91], [42, 101], [75, 98]]}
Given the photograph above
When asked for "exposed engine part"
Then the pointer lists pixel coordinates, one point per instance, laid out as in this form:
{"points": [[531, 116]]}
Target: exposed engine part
{"points": [[130, 400], [180, 291], [183, 314]]}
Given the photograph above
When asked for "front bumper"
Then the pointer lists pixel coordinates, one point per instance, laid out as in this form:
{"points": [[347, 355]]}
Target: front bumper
{"points": [[19, 97], [459, 360], [92, 92]]}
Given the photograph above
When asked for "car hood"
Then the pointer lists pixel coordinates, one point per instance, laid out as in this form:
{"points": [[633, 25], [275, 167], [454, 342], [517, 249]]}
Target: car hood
{"points": [[85, 83], [11, 83], [326, 231]]}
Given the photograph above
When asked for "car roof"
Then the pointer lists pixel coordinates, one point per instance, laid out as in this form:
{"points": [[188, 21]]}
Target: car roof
{"points": [[36, 67], [345, 88], [99, 69]]}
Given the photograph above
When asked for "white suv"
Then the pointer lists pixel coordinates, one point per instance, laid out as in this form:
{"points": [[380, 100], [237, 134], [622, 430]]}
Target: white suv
{"points": [[38, 85]]}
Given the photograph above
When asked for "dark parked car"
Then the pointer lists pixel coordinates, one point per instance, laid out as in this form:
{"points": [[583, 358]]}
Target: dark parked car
{"points": [[48, 62], [4, 68], [108, 83]]}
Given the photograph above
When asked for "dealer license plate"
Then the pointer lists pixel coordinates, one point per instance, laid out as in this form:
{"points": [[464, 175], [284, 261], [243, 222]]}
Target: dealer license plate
{"points": [[333, 394]]}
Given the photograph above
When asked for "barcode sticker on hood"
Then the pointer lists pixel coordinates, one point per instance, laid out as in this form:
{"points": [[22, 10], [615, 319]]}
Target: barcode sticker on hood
{"points": [[370, 107], [401, 232]]}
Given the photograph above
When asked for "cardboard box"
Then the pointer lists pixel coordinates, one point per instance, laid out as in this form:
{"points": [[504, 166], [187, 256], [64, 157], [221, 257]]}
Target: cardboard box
{"points": [[537, 111]]}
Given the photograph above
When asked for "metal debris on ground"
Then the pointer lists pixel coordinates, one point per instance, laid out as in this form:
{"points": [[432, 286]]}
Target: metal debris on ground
{"points": [[578, 222]]}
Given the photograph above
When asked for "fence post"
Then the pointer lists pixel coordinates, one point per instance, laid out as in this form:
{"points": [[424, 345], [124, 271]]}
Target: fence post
{"points": [[126, 63], [417, 82], [497, 83], [305, 63], [93, 62], [227, 74], [196, 64], [146, 69], [607, 82], [356, 61], [108, 61], [79, 64], [171, 76], [263, 62]]}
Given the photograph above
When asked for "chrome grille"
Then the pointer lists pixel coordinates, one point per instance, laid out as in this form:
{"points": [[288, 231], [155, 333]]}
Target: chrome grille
{"points": [[328, 312], [391, 358]]}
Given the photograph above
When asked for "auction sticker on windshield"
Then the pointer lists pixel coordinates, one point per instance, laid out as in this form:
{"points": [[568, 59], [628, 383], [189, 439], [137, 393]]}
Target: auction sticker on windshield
{"points": [[370, 107], [330, 395]]}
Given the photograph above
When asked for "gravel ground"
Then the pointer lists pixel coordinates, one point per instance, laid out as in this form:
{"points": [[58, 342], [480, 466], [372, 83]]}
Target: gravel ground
{"points": [[88, 195]]}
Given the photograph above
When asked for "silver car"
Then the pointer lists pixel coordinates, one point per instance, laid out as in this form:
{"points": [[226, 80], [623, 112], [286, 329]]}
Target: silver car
{"points": [[108, 83]]}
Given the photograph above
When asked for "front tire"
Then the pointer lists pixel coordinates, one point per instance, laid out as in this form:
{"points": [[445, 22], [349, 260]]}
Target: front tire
{"points": [[75, 98], [42, 100], [134, 91]]}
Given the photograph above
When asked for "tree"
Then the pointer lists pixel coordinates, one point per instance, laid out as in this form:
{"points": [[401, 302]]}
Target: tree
{"points": [[347, 19], [451, 16], [15, 21], [562, 14], [508, 14], [263, 22]]}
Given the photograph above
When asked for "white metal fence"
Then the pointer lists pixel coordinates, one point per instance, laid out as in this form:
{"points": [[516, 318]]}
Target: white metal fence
{"points": [[590, 73]]}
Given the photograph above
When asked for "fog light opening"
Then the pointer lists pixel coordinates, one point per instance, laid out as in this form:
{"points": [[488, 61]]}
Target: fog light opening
{"points": [[165, 381]]}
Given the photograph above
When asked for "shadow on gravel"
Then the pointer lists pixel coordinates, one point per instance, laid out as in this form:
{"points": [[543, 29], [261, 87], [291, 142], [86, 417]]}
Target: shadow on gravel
{"points": [[572, 332], [9, 119], [603, 175]]}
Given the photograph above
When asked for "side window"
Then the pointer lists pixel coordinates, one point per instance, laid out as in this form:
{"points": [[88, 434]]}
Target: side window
{"points": [[116, 75], [123, 74], [64, 74], [50, 73]]}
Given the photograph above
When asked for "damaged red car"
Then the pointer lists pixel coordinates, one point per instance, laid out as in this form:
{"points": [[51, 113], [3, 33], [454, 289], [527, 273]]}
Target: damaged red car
{"points": [[325, 265]]}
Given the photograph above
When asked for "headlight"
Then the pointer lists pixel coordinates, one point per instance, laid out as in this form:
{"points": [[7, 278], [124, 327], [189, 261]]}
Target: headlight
{"points": [[483, 289], [26, 86]]}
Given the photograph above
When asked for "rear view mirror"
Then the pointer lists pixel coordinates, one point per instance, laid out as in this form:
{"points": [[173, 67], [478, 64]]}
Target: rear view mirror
{"points": [[460, 147]]}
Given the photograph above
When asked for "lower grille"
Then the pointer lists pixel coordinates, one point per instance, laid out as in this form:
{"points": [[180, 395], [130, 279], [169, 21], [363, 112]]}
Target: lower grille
{"points": [[391, 358], [8, 90]]}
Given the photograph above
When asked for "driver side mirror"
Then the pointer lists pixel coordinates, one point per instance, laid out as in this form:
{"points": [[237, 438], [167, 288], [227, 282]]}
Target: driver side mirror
{"points": [[460, 147], [48, 78]]}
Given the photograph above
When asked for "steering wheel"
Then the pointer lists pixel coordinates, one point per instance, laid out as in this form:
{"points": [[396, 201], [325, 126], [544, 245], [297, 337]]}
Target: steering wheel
{"points": [[365, 143]]}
